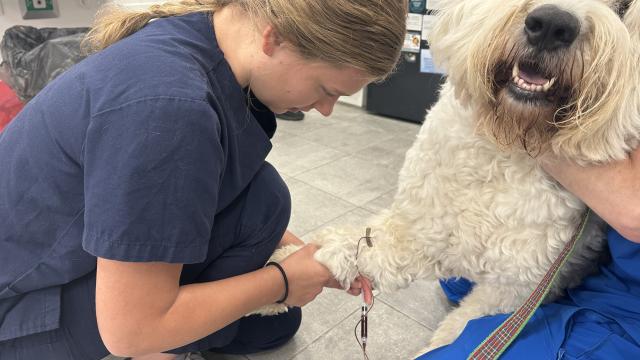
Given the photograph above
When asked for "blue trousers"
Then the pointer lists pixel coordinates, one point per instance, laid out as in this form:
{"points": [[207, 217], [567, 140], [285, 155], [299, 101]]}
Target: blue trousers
{"points": [[246, 234], [599, 320]]}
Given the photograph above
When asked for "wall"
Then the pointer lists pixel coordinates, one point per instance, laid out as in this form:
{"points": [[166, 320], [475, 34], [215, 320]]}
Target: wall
{"points": [[72, 13], [356, 99]]}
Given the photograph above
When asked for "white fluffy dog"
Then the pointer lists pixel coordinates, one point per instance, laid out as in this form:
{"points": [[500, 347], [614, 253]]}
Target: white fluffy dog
{"points": [[524, 78]]}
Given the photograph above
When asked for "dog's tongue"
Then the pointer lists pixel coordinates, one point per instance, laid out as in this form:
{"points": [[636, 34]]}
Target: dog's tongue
{"points": [[532, 77]]}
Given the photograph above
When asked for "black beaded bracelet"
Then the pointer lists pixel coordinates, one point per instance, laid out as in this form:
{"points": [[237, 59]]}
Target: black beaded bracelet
{"points": [[284, 277]]}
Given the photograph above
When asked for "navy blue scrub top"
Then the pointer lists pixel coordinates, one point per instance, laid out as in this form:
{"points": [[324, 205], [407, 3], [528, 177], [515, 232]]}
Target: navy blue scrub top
{"points": [[128, 156]]}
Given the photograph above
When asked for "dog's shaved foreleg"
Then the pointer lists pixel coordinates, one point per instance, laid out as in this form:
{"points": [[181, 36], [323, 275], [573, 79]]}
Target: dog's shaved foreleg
{"points": [[484, 299], [391, 263]]}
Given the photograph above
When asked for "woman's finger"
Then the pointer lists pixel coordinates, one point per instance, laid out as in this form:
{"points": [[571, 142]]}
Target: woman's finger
{"points": [[366, 289]]}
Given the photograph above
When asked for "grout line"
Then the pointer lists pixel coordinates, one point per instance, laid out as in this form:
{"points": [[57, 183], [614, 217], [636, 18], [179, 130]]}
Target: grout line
{"points": [[343, 214], [405, 314], [324, 191], [345, 155], [326, 332], [342, 156]]}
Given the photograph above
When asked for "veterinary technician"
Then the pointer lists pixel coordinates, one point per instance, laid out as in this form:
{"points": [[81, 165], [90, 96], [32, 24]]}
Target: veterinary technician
{"points": [[136, 207], [600, 319]]}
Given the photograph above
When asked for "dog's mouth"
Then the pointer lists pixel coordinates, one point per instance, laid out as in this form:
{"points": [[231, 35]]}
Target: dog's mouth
{"points": [[529, 83], [530, 80]]}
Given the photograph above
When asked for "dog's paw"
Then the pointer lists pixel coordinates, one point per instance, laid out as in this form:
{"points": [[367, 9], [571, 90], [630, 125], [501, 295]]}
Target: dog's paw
{"points": [[338, 253], [270, 310], [448, 331], [425, 350], [436, 343]]}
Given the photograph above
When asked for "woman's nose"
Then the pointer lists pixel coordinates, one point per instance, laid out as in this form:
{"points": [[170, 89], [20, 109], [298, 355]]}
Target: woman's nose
{"points": [[325, 106]]}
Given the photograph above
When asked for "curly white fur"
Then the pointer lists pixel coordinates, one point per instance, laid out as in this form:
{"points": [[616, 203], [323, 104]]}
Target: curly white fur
{"points": [[469, 205]]}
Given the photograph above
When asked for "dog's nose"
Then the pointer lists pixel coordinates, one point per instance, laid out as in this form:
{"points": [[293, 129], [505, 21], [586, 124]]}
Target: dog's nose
{"points": [[550, 28]]}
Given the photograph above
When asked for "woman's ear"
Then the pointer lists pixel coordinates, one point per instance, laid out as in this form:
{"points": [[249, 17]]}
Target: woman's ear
{"points": [[271, 40]]}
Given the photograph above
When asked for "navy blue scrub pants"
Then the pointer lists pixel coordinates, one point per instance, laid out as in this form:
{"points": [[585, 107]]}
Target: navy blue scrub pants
{"points": [[245, 235]]}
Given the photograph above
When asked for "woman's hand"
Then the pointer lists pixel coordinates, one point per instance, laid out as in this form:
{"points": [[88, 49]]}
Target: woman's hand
{"points": [[358, 286], [306, 276]]}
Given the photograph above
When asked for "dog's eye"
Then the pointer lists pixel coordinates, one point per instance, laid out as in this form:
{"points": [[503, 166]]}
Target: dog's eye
{"points": [[622, 7]]}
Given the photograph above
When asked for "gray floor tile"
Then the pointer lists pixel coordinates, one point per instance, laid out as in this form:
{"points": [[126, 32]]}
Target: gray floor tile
{"points": [[394, 126], [294, 155], [380, 203], [312, 121], [280, 136], [318, 318], [312, 207], [347, 136], [389, 153], [392, 336], [346, 111], [352, 178], [422, 301], [356, 217]]}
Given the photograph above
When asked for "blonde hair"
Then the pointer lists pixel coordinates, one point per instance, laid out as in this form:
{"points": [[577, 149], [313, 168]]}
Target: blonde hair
{"points": [[364, 34]]}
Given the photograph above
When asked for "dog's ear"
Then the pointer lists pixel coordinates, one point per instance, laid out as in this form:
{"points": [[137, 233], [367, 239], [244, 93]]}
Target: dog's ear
{"points": [[443, 35], [603, 125], [457, 44], [448, 44], [632, 21], [607, 135]]}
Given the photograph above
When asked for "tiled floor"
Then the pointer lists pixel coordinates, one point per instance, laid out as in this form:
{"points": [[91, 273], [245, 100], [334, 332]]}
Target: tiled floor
{"points": [[341, 170]]}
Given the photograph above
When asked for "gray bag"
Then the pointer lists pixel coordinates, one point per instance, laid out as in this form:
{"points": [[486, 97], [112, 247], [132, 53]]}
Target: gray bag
{"points": [[33, 57]]}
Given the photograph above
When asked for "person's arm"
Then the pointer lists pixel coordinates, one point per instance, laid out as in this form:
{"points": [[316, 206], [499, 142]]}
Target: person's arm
{"points": [[611, 190], [142, 309], [290, 239]]}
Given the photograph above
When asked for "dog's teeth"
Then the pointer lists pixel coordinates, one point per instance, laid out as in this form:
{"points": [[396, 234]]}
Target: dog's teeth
{"points": [[549, 84], [523, 84]]}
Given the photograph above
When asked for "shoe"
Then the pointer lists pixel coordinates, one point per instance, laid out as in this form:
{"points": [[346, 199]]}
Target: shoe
{"points": [[194, 356], [291, 115], [191, 356]]}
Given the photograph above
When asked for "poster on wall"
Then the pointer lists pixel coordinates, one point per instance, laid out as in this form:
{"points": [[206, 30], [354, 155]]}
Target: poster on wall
{"points": [[417, 6], [414, 22], [426, 63], [427, 25], [411, 42]]}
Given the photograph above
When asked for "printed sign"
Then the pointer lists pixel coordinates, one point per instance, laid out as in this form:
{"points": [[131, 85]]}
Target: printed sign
{"points": [[426, 63], [411, 42], [414, 22]]}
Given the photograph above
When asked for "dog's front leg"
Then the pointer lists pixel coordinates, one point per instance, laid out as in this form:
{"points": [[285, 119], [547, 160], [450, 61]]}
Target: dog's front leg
{"points": [[390, 263], [483, 300]]}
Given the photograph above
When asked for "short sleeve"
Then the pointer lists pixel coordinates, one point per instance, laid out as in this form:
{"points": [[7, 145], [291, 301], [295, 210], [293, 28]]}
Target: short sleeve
{"points": [[152, 173]]}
